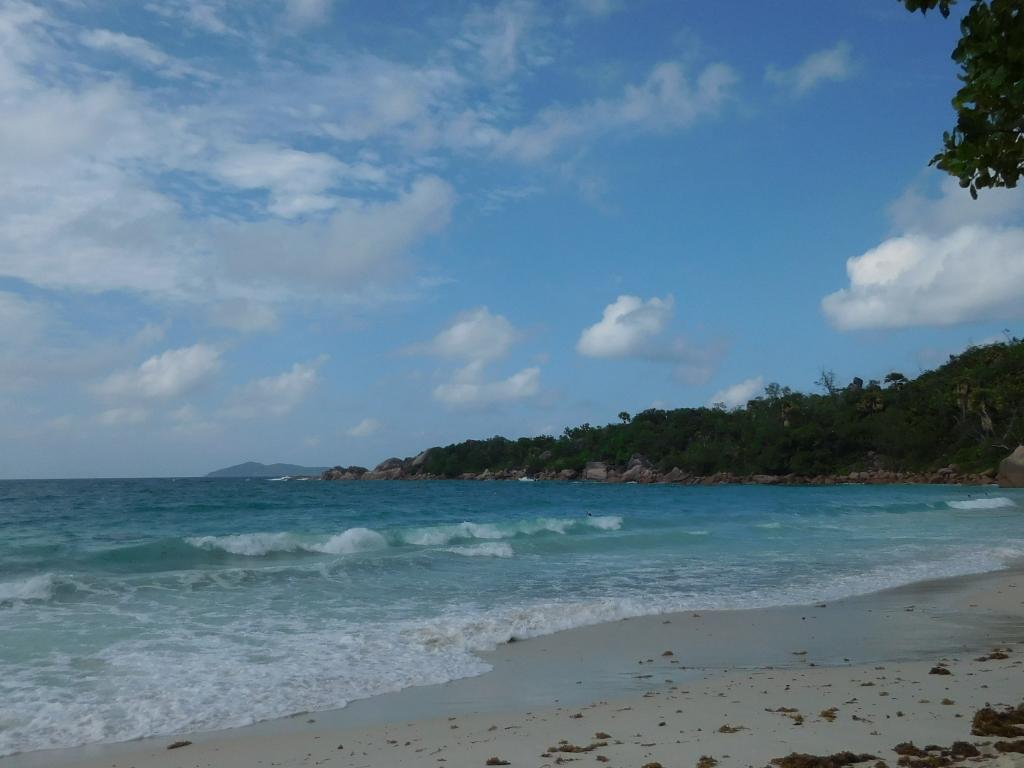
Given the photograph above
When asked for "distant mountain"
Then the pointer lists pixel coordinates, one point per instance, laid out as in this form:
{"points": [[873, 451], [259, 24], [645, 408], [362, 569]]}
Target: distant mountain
{"points": [[255, 469]]}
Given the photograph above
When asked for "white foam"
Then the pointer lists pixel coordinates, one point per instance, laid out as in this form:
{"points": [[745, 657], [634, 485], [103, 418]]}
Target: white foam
{"points": [[487, 549], [989, 502], [438, 535], [260, 544], [352, 540], [39, 587], [768, 526]]}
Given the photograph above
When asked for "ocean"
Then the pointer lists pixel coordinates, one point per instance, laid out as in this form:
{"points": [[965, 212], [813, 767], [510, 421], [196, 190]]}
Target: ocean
{"points": [[131, 608]]}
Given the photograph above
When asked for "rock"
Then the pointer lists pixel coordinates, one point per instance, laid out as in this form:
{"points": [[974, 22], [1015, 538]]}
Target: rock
{"points": [[1011, 470], [389, 469], [675, 475], [421, 458], [595, 470], [567, 474], [344, 473], [765, 479]]}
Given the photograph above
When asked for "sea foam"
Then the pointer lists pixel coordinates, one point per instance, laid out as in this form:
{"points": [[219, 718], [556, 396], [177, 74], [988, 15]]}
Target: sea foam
{"points": [[40, 587], [988, 502]]}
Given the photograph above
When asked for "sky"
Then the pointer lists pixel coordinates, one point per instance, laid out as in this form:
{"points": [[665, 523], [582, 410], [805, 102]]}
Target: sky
{"points": [[333, 231]]}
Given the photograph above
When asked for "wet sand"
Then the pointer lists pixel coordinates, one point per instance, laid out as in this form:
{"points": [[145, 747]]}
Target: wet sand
{"points": [[668, 689]]}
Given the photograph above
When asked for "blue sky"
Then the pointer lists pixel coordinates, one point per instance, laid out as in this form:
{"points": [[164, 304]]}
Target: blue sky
{"points": [[332, 232]]}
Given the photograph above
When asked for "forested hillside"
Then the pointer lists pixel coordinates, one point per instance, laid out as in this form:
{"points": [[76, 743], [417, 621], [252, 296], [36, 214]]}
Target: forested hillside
{"points": [[968, 413]]}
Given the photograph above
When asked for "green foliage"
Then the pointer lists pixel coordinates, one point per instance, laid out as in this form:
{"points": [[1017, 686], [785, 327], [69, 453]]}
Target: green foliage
{"points": [[970, 412], [986, 148]]}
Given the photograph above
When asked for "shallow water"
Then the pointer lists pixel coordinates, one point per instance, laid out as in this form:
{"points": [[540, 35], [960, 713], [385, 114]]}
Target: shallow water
{"points": [[138, 607]]}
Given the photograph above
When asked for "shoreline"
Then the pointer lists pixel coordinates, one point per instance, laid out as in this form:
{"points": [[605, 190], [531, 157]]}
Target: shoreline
{"points": [[909, 626]]}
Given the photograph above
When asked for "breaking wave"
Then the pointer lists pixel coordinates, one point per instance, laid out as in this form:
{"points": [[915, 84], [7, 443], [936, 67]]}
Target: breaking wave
{"points": [[989, 502]]}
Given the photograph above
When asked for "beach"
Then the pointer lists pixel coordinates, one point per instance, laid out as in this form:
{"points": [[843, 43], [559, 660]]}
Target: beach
{"points": [[742, 687]]}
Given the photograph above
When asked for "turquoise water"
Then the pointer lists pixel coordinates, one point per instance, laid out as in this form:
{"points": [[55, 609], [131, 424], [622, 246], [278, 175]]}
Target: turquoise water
{"points": [[139, 607]]}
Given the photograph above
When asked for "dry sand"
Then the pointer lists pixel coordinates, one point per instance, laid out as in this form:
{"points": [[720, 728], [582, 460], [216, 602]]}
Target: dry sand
{"points": [[743, 687]]}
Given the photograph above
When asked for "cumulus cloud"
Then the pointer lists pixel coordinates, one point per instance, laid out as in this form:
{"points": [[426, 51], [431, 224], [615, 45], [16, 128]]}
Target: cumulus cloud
{"points": [[829, 65], [468, 387], [480, 338], [365, 428], [475, 335], [276, 395], [954, 263], [627, 328], [738, 395], [167, 375], [633, 328]]}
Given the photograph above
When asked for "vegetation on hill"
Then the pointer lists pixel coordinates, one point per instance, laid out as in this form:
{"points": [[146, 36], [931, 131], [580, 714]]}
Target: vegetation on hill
{"points": [[969, 412]]}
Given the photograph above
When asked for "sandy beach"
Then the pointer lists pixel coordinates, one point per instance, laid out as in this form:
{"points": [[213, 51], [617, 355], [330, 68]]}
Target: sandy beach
{"points": [[741, 687]]}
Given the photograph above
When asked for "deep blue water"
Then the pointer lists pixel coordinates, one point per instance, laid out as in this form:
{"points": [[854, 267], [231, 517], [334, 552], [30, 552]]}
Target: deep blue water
{"points": [[138, 607]]}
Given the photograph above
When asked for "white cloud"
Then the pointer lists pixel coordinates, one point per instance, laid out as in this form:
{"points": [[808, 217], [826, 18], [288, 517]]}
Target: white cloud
{"points": [[117, 417], [167, 375], [276, 395], [597, 7], [365, 428], [475, 335], [627, 328], [666, 100], [140, 51], [305, 13], [739, 394], [504, 37], [244, 315], [633, 328], [954, 263], [830, 65], [468, 387], [186, 421]]}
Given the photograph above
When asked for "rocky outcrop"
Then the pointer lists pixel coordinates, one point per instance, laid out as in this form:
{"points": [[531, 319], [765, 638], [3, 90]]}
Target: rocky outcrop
{"points": [[640, 470], [343, 473], [389, 469], [1011, 470]]}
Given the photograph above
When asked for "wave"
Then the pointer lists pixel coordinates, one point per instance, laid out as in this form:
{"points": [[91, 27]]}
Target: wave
{"points": [[439, 535], [988, 502], [768, 526], [259, 544], [487, 549], [355, 540], [40, 587]]}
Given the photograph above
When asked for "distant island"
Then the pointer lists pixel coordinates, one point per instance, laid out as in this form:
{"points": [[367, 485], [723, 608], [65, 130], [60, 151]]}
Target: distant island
{"points": [[255, 469], [957, 424]]}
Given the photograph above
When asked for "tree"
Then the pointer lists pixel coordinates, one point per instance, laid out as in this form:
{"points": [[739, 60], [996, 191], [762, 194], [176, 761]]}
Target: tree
{"points": [[986, 148], [625, 417]]}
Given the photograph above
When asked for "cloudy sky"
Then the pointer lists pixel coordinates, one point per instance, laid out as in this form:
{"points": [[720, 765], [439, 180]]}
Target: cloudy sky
{"points": [[333, 231]]}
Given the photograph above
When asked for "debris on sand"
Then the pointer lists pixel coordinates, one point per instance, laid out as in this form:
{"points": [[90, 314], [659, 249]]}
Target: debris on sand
{"points": [[799, 760], [988, 722], [706, 762], [179, 744], [939, 671], [496, 761]]}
